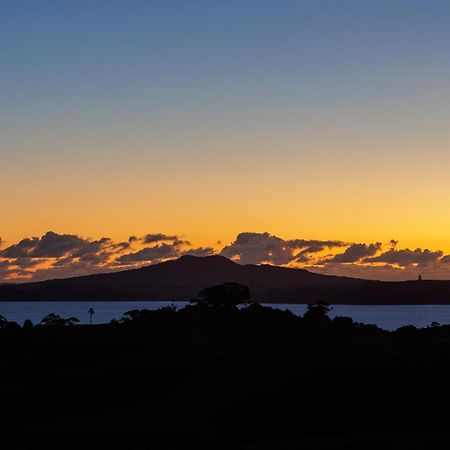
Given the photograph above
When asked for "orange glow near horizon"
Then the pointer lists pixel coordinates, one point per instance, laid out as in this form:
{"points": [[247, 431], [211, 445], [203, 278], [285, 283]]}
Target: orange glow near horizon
{"points": [[354, 208]]}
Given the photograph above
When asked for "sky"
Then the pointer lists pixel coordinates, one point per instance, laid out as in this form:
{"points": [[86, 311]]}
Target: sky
{"points": [[240, 128]]}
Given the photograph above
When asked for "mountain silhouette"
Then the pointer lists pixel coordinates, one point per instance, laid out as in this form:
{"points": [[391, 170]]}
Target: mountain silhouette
{"points": [[183, 278]]}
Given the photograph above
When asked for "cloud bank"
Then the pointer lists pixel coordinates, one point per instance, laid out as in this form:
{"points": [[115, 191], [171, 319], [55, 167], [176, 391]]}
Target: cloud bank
{"points": [[56, 255], [257, 248]]}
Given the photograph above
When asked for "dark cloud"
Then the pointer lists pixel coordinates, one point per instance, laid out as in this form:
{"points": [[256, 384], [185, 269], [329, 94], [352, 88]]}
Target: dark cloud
{"points": [[406, 257], [26, 263], [200, 251], [18, 268], [169, 246], [163, 251], [180, 242], [120, 246], [53, 245], [303, 258], [64, 262], [20, 250], [158, 237], [4, 263], [445, 259], [256, 248], [149, 254], [310, 247], [315, 245], [86, 249], [60, 253], [354, 253]]}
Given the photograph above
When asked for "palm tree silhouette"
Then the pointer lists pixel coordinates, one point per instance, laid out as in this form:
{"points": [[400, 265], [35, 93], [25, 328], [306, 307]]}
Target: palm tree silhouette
{"points": [[91, 313]]}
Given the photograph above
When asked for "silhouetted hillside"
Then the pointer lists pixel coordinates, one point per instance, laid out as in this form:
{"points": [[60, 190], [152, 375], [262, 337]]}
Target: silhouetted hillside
{"points": [[182, 278]]}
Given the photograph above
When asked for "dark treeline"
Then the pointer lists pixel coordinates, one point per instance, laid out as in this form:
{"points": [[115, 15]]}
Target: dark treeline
{"points": [[214, 375]]}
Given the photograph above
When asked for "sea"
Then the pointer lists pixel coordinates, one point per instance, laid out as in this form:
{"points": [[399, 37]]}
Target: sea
{"points": [[389, 317]]}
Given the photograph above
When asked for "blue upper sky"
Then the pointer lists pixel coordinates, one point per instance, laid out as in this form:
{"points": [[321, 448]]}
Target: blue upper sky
{"points": [[152, 55]]}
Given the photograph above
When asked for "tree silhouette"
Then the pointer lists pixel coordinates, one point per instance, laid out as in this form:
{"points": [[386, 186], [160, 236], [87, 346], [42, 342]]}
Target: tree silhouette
{"points": [[223, 295], [136, 314], [91, 313], [28, 324], [54, 320], [3, 322], [317, 311]]}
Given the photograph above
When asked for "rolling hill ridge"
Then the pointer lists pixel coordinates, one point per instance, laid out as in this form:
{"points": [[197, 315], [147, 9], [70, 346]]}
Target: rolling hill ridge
{"points": [[183, 278]]}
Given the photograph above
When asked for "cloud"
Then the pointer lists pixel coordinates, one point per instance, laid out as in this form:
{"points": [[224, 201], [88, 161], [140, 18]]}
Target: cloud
{"points": [[66, 254], [120, 246], [406, 257], [163, 251], [310, 247], [62, 255], [315, 245], [200, 251], [354, 253], [21, 249], [147, 254], [25, 263], [53, 245], [256, 248], [158, 237], [56, 255]]}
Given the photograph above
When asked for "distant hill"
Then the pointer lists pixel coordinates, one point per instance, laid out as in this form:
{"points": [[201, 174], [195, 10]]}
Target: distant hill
{"points": [[181, 279]]}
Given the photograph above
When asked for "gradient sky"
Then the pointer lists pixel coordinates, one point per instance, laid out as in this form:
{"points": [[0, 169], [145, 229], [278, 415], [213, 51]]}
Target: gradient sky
{"points": [[315, 119]]}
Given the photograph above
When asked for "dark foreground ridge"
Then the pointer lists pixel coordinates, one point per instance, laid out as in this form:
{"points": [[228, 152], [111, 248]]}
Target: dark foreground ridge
{"points": [[219, 377], [181, 279]]}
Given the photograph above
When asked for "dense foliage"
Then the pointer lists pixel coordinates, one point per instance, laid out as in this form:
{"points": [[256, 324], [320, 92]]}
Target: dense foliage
{"points": [[227, 378]]}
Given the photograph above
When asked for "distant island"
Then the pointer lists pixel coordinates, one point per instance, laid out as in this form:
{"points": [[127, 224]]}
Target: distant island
{"points": [[181, 279]]}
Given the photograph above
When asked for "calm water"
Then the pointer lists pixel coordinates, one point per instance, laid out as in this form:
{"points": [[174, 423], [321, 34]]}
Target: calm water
{"points": [[388, 317]]}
